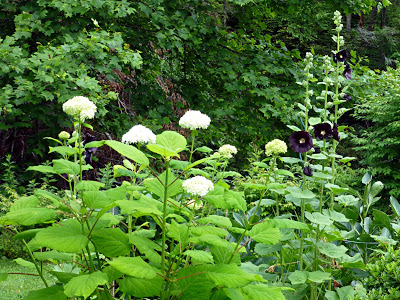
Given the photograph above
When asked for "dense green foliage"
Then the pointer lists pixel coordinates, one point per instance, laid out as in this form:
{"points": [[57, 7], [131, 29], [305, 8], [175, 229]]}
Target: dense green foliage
{"points": [[379, 142]]}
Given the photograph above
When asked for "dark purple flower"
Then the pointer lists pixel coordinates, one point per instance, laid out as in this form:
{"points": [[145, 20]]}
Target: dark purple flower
{"points": [[89, 151], [300, 141], [347, 97], [307, 171], [340, 56], [322, 131], [347, 72], [317, 150], [335, 132]]}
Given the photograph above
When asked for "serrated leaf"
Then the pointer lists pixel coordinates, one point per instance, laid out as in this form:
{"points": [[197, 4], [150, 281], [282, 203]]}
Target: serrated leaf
{"points": [[111, 242], [216, 220], [140, 206], [334, 215], [200, 256], [25, 202], [263, 233], [346, 292], [66, 238], [42, 169], [298, 277], [155, 186], [89, 185], [133, 266], [172, 140], [62, 166], [95, 199], [300, 193], [146, 246], [319, 276], [229, 276], [64, 150], [193, 283], [28, 216], [331, 250], [141, 288], [51, 293], [84, 285], [263, 292], [179, 232], [200, 230]]}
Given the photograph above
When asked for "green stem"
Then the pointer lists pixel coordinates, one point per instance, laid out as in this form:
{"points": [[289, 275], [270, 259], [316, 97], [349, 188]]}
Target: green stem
{"points": [[36, 264], [164, 225], [302, 235], [191, 149], [80, 148]]}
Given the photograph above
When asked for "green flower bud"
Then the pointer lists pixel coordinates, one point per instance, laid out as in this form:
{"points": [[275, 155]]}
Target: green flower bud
{"points": [[63, 135]]}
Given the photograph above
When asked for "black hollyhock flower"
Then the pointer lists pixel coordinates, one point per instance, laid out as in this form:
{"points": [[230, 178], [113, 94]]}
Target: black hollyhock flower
{"points": [[300, 141], [317, 150], [89, 151], [335, 132], [322, 131], [347, 72], [307, 171], [347, 97], [340, 56]]}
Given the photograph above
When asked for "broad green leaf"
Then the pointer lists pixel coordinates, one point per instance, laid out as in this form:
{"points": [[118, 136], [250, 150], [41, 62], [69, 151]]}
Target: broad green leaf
{"points": [[319, 276], [25, 263], [331, 295], [355, 261], [234, 200], [284, 172], [55, 292], [367, 178], [27, 234], [334, 215], [395, 205], [376, 188], [129, 151], [263, 250], [141, 288], [25, 202], [222, 254], [233, 294], [263, 233], [298, 277], [56, 200], [346, 292], [382, 218], [200, 256], [285, 223], [172, 140], [95, 144], [64, 150], [193, 283], [331, 250], [263, 292], [347, 200], [216, 220], [300, 193], [230, 276], [95, 199], [216, 197], [52, 255], [140, 206], [255, 186], [89, 185], [322, 175], [133, 266], [346, 159], [211, 239], [200, 230], [198, 162], [318, 156], [146, 246], [335, 188], [294, 128], [42, 169], [62, 166], [67, 237], [314, 121], [63, 277], [156, 187], [179, 232], [84, 285], [178, 164], [122, 171], [112, 273], [28, 216], [163, 151], [111, 242]]}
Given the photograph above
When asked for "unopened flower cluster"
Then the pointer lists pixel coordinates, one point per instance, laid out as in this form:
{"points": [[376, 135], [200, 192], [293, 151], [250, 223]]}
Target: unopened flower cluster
{"points": [[139, 134], [80, 107], [194, 119], [275, 147], [227, 150], [198, 186], [63, 135]]}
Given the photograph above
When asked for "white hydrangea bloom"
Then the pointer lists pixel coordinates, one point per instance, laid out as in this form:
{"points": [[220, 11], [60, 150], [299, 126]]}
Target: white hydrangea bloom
{"points": [[275, 147], [227, 150], [139, 134], [194, 119], [80, 107], [198, 186]]}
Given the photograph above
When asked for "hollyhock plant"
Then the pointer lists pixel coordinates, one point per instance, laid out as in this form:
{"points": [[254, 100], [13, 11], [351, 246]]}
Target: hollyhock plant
{"points": [[307, 171], [139, 134], [322, 131], [347, 97], [347, 72], [341, 56], [335, 132], [194, 119], [300, 141]]}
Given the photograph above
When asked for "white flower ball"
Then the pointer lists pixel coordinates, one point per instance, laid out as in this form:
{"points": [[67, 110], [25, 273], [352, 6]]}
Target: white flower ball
{"points": [[80, 108], [139, 134], [275, 147], [194, 119], [198, 186], [227, 150]]}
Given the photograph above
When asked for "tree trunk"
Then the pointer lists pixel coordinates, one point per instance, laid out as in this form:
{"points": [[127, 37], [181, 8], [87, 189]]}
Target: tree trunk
{"points": [[362, 19], [348, 22], [383, 19], [372, 18]]}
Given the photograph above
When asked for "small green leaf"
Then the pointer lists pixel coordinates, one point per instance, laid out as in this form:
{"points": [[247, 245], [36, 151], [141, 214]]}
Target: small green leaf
{"points": [[314, 121], [89, 185], [395, 205], [294, 128], [200, 256], [64, 150], [367, 178], [263, 233], [25, 263], [55, 292]]}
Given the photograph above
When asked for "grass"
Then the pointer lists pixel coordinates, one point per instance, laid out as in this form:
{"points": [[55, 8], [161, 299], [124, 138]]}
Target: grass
{"points": [[18, 286]]}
